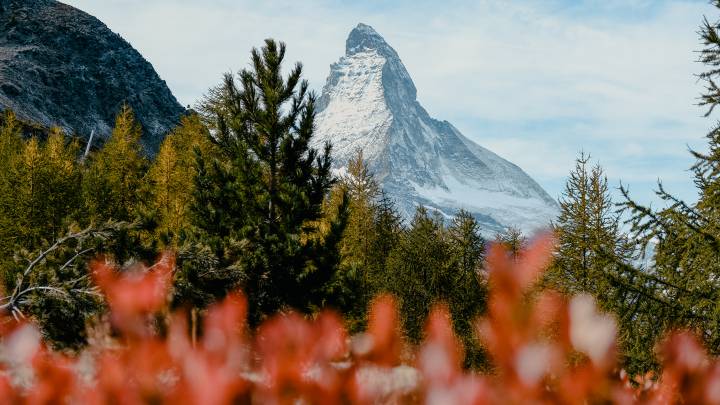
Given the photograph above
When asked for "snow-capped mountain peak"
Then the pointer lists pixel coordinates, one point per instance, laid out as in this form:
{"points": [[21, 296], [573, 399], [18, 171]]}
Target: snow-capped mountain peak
{"points": [[369, 102]]}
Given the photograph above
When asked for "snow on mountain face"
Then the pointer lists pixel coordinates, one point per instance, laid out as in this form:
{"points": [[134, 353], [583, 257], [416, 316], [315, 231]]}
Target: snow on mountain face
{"points": [[369, 102]]}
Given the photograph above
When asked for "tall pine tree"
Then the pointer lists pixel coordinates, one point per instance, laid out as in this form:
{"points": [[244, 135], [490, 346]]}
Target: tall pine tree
{"points": [[261, 201]]}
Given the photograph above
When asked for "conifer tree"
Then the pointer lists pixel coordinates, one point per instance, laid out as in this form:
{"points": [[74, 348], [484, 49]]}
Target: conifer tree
{"points": [[372, 231], [468, 245], [388, 228], [63, 195], [680, 288], [594, 256], [358, 239], [417, 270], [40, 182], [28, 180], [10, 147], [114, 180], [261, 201], [423, 270], [115, 173], [43, 182], [590, 243], [513, 240], [467, 299], [171, 178]]}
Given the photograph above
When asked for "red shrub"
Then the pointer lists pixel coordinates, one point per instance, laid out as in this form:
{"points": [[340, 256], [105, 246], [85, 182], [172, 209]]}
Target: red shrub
{"points": [[544, 350]]}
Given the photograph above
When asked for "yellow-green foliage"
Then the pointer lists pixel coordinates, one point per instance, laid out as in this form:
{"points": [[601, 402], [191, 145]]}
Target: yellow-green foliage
{"points": [[10, 147], [40, 186], [115, 174], [172, 177]]}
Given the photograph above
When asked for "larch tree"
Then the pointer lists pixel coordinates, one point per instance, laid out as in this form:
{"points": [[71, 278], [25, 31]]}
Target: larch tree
{"points": [[681, 286], [45, 183], [63, 199], [595, 256], [513, 240], [42, 269], [372, 230], [358, 239], [418, 269], [590, 242], [115, 173], [11, 145], [171, 178], [468, 245]]}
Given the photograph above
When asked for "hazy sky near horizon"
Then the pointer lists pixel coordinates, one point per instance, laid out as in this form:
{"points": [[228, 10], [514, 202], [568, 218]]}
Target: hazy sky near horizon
{"points": [[535, 81]]}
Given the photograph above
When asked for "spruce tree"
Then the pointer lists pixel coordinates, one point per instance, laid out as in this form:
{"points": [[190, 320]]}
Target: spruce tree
{"points": [[260, 202]]}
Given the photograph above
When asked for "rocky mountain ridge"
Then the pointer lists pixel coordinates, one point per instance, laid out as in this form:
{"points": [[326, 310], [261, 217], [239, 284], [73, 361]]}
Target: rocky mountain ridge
{"points": [[62, 67]]}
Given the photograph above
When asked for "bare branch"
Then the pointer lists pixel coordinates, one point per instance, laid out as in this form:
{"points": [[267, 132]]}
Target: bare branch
{"points": [[54, 247], [72, 259]]}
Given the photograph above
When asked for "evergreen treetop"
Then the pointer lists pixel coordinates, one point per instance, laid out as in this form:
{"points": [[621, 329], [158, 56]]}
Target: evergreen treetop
{"points": [[265, 195]]}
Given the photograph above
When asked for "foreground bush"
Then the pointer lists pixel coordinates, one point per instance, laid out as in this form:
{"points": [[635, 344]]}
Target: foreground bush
{"points": [[544, 350]]}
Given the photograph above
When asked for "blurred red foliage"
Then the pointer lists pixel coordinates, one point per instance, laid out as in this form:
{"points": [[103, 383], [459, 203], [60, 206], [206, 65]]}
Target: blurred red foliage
{"points": [[544, 349]]}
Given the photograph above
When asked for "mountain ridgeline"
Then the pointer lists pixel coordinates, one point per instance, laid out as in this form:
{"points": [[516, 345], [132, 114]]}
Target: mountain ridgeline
{"points": [[369, 103], [62, 67]]}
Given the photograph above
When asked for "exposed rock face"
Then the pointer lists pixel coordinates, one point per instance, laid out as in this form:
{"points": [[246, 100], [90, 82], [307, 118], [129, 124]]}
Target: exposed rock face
{"points": [[60, 66], [370, 103]]}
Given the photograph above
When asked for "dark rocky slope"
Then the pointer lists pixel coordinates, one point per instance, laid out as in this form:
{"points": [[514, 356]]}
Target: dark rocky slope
{"points": [[61, 66]]}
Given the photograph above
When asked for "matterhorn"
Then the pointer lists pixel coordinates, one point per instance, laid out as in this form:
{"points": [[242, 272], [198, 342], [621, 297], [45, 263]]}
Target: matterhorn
{"points": [[369, 103]]}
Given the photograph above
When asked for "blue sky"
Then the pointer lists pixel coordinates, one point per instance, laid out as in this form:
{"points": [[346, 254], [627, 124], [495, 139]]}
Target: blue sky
{"points": [[535, 81]]}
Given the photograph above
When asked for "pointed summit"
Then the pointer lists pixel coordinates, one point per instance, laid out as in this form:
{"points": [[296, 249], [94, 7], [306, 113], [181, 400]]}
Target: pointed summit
{"points": [[369, 59], [364, 37]]}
